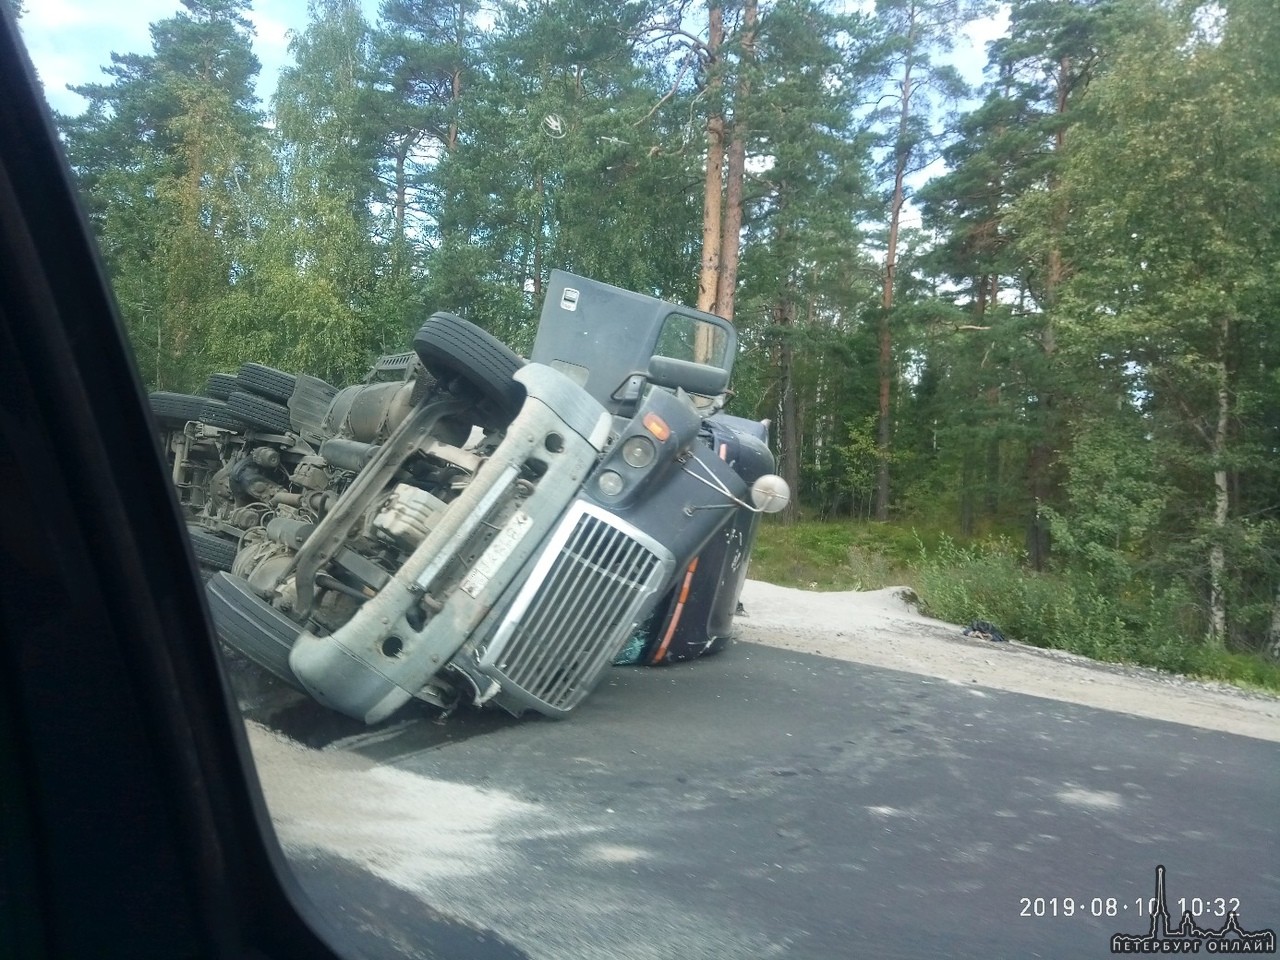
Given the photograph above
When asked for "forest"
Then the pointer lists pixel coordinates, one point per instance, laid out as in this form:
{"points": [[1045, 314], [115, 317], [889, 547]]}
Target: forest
{"points": [[1033, 324]]}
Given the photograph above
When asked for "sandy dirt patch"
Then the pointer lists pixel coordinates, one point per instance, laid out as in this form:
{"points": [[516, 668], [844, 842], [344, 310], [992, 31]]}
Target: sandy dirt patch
{"points": [[880, 628]]}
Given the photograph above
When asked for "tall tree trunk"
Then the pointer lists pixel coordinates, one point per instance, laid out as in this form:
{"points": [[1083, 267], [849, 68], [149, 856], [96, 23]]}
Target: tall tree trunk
{"points": [[181, 310], [902, 156], [402, 155], [789, 426], [1055, 271], [1040, 463], [731, 238], [709, 275], [1038, 486], [1221, 499], [991, 501], [966, 493], [987, 287], [784, 320], [1273, 634], [455, 81], [451, 143], [541, 190]]}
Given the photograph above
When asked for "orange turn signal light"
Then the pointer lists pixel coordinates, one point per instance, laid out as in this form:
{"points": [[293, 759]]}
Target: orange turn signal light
{"points": [[657, 426]]}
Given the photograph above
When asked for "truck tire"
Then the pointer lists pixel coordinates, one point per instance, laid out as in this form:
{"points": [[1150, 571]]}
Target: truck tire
{"points": [[257, 412], [251, 626], [266, 381], [176, 407], [453, 349], [211, 550], [215, 413], [220, 385]]}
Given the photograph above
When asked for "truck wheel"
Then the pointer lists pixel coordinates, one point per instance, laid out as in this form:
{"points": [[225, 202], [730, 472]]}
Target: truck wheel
{"points": [[452, 349], [220, 385], [251, 626], [215, 413], [176, 407], [212, 550], [266, 381], [260, 413]]}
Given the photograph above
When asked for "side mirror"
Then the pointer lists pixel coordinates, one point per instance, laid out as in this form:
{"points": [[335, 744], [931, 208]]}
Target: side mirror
{"points": [[686, 375], [770, 493]]}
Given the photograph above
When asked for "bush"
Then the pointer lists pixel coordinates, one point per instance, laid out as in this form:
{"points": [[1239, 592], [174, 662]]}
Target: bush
{"points": [[987, 582], [1067, 611]]}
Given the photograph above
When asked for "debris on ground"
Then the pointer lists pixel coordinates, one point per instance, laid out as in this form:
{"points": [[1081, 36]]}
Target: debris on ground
{"points": [[985, 630]]}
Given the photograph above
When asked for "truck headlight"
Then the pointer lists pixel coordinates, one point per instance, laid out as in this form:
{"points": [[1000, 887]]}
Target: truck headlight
{"points": [[610, 483], [638, 452]]}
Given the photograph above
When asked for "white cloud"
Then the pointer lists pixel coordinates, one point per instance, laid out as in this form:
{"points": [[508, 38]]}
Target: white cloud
{"points": [[106, 20], [70, 41], [981, 32], [273, 22], [971, 51], [271, 26]]}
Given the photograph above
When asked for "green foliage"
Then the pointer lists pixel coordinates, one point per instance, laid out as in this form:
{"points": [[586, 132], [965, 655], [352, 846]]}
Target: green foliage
{"points": [[830, 556], [1085, 331], [558, 163], [988, 580], [163, 153], [1171, 313], [323, 287], [1149, 626], [861, 456], [1116, 499]]}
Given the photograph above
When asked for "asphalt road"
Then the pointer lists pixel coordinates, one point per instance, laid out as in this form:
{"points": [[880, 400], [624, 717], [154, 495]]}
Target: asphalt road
{"points": [[765, 803]]}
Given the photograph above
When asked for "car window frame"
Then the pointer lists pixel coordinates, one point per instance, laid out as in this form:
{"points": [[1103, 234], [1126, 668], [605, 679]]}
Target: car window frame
{"points": [[84, 481]]}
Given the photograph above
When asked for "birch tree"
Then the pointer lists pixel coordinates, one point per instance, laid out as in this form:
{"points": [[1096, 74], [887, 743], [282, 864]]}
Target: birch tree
{"points": [[1176, 197]]}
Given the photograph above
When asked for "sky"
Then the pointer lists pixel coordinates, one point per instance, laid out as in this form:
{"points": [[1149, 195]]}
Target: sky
{"points": [[71, 40]]}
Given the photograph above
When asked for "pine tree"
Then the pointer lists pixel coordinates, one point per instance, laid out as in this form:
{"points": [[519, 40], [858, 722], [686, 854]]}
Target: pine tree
{"points": [[425, 54], [914, 33], [560, 162], [1050, 58], [802, 260], [163, 152]]}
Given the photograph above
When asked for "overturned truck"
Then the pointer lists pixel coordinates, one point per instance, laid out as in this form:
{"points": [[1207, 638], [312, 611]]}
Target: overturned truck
{"points": [[468, 527]]}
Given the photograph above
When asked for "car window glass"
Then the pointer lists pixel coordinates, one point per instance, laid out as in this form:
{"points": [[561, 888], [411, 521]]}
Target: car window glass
{"points": [[525, 667]]}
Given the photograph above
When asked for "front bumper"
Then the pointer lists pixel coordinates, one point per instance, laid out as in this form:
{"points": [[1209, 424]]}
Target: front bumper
{"points": [[378, 660]]}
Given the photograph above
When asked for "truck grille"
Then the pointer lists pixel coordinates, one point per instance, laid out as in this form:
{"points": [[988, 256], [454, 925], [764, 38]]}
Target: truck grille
{"points": [[575, 611]]}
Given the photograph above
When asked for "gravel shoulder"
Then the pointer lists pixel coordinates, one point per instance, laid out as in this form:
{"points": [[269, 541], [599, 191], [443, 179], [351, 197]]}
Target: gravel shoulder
{"points": [[880, 628]]}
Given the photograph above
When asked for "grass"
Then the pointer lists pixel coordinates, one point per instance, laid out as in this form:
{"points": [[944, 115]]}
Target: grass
{"points": [[987, 581], [835, 556]]}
